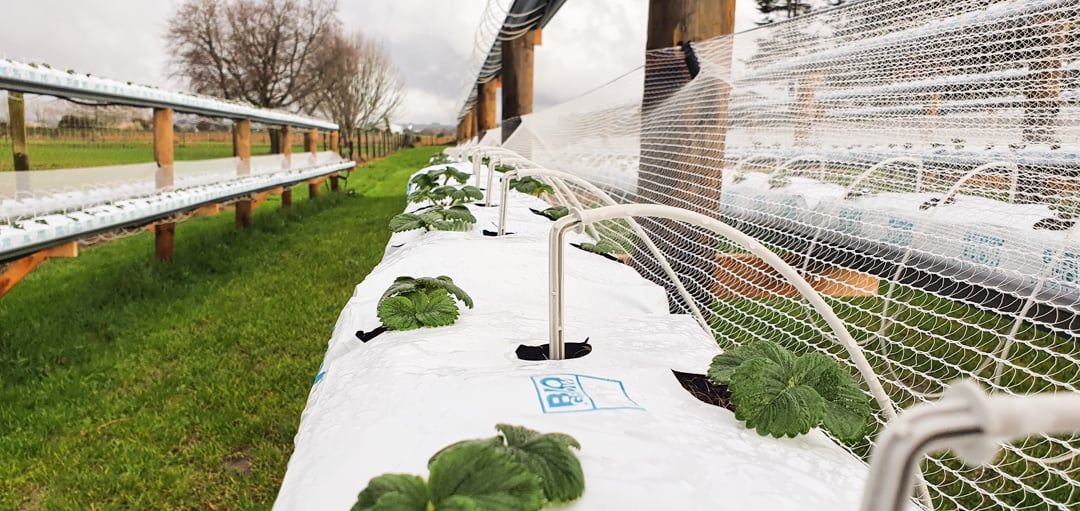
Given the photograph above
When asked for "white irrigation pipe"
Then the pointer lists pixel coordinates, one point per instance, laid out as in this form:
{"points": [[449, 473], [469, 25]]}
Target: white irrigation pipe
{"points": [[634, 225], [967, 421]]}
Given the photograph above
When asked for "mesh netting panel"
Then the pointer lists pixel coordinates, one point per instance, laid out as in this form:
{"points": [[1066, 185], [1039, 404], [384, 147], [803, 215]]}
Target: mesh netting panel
{"points": [[916, 160]]}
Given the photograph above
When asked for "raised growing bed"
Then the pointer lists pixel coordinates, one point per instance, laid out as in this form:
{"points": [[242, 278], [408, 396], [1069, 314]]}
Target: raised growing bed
{"points": [[385, 405]]}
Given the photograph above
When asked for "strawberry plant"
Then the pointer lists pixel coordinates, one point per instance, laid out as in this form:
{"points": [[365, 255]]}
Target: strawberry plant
{"points": [[447, 211], [531, 186], [602, 247], [518, 470], [454, 218], [552, 213], [410, 303], [438, 159], [781, 394]]}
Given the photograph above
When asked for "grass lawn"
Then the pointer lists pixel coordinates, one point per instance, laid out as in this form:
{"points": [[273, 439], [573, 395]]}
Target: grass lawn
{"points": [[127, 384]]}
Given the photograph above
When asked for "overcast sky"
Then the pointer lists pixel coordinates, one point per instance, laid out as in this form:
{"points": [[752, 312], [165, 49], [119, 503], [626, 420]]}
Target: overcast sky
{"points": [[588, 43]]}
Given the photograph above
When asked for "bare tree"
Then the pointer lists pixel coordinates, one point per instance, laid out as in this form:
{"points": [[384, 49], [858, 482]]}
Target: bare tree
{"points": [[264, 52], [363, 88]]}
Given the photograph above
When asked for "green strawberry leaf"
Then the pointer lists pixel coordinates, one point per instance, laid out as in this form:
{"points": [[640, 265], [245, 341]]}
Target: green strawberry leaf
{"points": [[444, 282], [435, 308], [407, 222], [393, 492], [724, 364], [769, 398], [466, 194], [458, 213], [847, 408], [548, 456], [556, 212], [479, 476], [399, 312]]}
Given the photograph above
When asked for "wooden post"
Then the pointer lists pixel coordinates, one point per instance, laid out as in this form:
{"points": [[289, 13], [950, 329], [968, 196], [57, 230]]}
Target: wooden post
{"points": [[311, 138], [164, 233], [1042, 95], [334, 141], [242, 149], [806, 107], [684, 170], [19, 151], [468, 124], [286, 147], [517, 82], [485, 105], [1042, 89]]}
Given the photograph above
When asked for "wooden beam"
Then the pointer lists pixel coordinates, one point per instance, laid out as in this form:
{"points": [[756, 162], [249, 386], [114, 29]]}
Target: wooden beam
{"points": [[258, 198], [165, 233], [517, 77], [538, 37], [208, 210], [242, 149], [286, 198], [19, 269], [334, 141], [19, 151]]}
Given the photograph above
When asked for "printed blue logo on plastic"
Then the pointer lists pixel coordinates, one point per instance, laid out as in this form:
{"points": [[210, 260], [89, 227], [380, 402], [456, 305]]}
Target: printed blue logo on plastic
{"points": [[565, 393]]}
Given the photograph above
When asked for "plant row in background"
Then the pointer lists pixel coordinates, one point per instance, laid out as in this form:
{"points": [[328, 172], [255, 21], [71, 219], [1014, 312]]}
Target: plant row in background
{"points": [[446, 210]]}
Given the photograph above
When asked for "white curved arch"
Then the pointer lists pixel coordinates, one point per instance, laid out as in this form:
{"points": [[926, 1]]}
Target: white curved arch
{"points": [[638, 231], [955, 189], [556, 305], [801, 158], [917, 162]]}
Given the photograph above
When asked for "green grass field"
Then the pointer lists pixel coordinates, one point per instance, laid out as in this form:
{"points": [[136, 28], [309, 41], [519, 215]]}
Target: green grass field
{"points": [[127, 384]]}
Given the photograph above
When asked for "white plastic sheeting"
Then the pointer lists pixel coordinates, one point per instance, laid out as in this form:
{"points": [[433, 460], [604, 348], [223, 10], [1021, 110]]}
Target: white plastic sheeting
{"points": [[389, 404]]}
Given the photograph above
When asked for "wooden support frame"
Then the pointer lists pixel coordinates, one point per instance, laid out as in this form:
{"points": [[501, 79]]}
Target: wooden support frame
{"points": [[286, 147], [164, 233], [310, 137], [517, 82], [242, 149], [20, 153], [747, 276], [485, 105], [19, 269]]}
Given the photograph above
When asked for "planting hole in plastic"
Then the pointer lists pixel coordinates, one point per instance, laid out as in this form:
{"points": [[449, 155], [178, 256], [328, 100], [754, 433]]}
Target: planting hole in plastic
{"points": [[542, 352]]}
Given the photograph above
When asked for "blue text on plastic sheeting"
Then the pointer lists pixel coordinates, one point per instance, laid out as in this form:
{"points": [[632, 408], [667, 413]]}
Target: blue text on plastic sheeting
{"points": [[567, 392]]}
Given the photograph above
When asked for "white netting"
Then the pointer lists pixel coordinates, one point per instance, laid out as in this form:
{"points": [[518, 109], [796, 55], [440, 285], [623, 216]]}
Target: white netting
{"points": [[916, 159]]}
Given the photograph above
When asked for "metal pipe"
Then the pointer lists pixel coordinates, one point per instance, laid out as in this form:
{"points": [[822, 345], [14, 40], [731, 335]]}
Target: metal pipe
{"points": [[967, 421], [556, 299], [642, 235]]}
